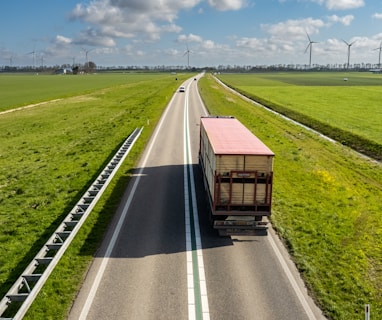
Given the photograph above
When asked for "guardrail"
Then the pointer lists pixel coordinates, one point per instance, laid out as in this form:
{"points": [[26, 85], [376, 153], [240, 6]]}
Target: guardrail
{"points": [[25, 289]]}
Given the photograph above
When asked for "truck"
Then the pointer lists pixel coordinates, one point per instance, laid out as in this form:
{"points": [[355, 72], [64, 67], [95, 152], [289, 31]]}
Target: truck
{"points": [[237, 170]]}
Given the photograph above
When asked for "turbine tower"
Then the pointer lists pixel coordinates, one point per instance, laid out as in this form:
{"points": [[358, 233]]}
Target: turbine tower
{"points": [[349, 46], [310, 45], [34, 57], [187, 52], [379, 58], [86, 54], [87, 58]]}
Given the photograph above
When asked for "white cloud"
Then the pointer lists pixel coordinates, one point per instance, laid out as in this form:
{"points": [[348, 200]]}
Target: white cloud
{"points": [[225, 5], [92, 37], [130, 18], [345, 20], [344, 4], [63, 40], [189, 38], [209, 44], [294, 29], [377, 15]]}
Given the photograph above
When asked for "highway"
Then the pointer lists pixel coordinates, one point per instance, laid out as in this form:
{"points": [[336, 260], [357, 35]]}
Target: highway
{"points": [[160, 258]]}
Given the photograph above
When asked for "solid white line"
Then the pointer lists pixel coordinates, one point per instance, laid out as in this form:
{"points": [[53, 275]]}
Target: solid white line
{"points": [[110, 248], [291, 279], [190, 269], [190, 262]]}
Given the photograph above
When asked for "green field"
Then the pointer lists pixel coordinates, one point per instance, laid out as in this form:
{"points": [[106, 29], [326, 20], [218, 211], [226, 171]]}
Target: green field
{"points": [[20, 90], [326, 204], [348, 111]]}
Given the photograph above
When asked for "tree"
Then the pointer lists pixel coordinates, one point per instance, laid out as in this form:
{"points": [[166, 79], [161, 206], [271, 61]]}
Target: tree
{"points": [[90, 67]]}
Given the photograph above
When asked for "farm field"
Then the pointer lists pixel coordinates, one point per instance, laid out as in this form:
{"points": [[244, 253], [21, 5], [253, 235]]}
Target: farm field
{"points": [[348, 111], [50, 154], [18, 90], [326, 204]]}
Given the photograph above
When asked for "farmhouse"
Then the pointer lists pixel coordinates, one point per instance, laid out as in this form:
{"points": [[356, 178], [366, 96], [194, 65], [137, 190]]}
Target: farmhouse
{"points": [[64, 71]]}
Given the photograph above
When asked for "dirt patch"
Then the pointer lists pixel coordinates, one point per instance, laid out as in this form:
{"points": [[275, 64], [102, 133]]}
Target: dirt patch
{"points": [[29, 106], [72, 99]]}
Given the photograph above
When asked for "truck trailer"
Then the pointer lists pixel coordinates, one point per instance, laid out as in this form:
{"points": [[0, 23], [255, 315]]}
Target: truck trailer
{"points": [[237, 170]]}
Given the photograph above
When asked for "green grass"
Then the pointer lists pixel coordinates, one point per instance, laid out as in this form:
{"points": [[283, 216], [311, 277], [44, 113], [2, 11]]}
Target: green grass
{"points": [[348, 111], [20, 90], [327, 207], [49, 155]]}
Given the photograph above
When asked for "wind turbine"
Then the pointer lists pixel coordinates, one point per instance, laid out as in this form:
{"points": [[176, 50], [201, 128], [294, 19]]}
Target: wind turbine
{"points": [[86, 53], [379, 58], [187, 52], [34, 57], [42, 61], [349, 46], [310, 45], [87, 59]]}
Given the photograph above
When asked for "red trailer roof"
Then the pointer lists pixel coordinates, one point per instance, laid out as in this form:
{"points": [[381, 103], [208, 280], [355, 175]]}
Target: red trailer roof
{"points": [[230, 136]]}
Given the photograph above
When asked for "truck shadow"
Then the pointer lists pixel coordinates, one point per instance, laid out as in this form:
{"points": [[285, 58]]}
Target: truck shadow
{"points": [[155, 218]]}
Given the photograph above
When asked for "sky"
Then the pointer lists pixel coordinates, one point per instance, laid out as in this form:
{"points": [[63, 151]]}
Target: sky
{"points": [[195, 33]]}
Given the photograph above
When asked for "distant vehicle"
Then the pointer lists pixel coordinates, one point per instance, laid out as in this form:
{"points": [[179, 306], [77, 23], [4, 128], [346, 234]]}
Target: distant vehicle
{"points": [[182, 89], [237, 171], [195, 79]]}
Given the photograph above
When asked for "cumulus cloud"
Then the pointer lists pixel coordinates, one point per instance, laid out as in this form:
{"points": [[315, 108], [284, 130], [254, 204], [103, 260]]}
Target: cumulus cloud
{"points": [[111, 19], [341, 4], [377, 15], [294, 29], [225, 5], [62, 40], [251, 43], [345, 20], [92, 37], [189, 38]]}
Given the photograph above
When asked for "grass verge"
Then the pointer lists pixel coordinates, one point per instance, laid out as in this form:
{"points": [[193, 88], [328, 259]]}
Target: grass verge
{"points": [[326, 207]]}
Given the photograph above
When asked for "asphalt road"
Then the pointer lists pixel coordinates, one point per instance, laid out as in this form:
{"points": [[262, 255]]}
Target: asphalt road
{"points": [[161, 259]]}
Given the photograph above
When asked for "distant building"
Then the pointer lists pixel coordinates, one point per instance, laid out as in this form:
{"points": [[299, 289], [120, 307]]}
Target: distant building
{"points": [[64, 71]]}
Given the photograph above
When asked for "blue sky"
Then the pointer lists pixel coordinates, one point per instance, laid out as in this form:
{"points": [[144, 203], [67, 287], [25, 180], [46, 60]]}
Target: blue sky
{"points": [[216, 32]]}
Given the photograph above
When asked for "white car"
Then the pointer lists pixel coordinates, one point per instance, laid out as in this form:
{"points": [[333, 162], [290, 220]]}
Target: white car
{"points": [[182, 89]]}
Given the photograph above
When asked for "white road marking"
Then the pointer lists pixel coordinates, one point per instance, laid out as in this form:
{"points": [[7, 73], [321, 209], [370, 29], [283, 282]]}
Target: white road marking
{"points": [[199, 254], [291, 279]]}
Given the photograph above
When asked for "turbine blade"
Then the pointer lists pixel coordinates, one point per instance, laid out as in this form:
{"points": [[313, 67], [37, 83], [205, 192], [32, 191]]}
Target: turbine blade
{"points": [[308, 36]]}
